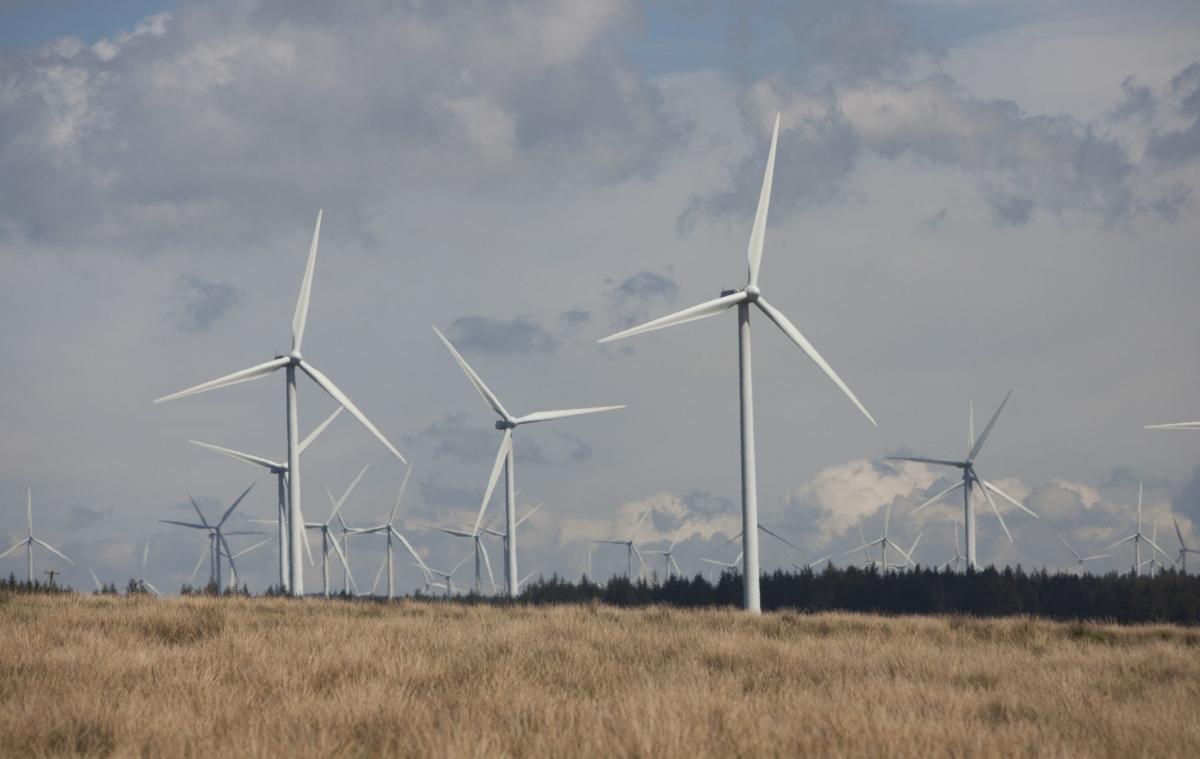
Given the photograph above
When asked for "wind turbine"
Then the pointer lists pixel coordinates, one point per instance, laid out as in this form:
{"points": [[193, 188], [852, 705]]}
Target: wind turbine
{"points": [[971, 479], [30, 540], [1081, 560], [766, 531], [723, 564], [743, 299], [447, 577], [631, 548], [328, 539], [669, 562], [1174, 426], [231, 558], [216, 536], [389, 530], [812, 564], [290, 362], [1137, 538], [884, 543], [1184, 549], [279, 469], [504, 457], [958, 557], [142, 581]]}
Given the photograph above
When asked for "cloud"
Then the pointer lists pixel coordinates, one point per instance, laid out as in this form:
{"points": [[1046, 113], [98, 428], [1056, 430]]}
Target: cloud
{"points": [[631, 298], [660, 517], [1010, 210], [82, 516], [1173, 147], [215, 123], [1137, 102], [198, 303], [451, 437], [937, 222], [575, 317], [519, 335]]}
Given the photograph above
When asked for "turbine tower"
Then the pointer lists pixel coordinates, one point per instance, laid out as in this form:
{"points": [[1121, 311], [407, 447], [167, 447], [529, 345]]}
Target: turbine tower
{"points": [[279, 469], [504, 457], [669, 563], [743, 299], [290, 362], [216, 536], [389, 530], [1137, 538], [30, 540], [971, 479], [630, 544]]}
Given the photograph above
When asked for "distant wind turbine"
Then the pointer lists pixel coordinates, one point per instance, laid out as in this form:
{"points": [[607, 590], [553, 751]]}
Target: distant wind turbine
{"points": [[279, 469], [1137, 538], [216, 535], [142, 581], [30, 540], [328, 539], [958, 557], [290, 362], [389, 530], [743, 299], [505, 458], [884, 543], [630, 544], [1184, 549], [1080, 561], [669, 562], [971, 479]]}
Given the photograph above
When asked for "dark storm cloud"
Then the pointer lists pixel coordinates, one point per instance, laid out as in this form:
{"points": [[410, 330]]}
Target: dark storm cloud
{"points": [[198, 303], [452, 437], [631, 298], [1173, 147], [1010, 210], [575, 317], [518, 335], [1137, 101]]}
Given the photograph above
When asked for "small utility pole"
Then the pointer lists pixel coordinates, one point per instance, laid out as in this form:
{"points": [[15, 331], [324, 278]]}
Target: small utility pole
{"points": [[53, 573]]}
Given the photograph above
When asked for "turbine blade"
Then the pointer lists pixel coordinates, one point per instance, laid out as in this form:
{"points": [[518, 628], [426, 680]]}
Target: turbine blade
{"points": [[316, 433], [15, 547], [400, 495], [1174, 426], [234, 505], [185, 524], [345, 564], [153, 589], [727, 542], [487, 563], [529, 514], [145, 555], [970, 428], [200, 562], [29, 509], [996, 511], [1069, 548], [913, 550], [1148, 540], [199, 513], [378, 575], [95, 579], [337, 503], [989, 486], [53, 550], [301, 315], [790, 330], [701, 311], [246, 457], [759, 230], [779, 537], [450, 531], [821, 560], [1097, 556], [988, 429], [488, 396], [863, 547], [545, 416], [245, 551], [411, 551], [505, 450], [328, 386], [245, 375], [1123, 541], [923, 460], [939, 497]]}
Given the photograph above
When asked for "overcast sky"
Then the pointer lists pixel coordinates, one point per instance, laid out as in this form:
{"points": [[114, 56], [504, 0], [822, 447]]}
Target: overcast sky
{"points": [[969, 197]]}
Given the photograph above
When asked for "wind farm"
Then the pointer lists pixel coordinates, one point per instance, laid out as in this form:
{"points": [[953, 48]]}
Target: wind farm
{"points": [[575, 514]]}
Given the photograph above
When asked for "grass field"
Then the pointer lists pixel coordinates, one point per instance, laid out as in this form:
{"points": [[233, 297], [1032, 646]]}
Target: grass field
{"points": [[272, 677]]}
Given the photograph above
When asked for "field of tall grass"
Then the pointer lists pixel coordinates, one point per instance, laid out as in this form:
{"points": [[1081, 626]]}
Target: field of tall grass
{"points": [[274, 677]]}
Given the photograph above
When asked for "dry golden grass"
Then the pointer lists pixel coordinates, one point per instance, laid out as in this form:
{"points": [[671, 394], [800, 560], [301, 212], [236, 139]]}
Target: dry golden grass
{"points": [[206, 677]]}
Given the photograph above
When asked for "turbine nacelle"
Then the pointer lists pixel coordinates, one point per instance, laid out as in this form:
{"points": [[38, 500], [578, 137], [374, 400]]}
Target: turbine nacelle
{"points": [[506, 424]]}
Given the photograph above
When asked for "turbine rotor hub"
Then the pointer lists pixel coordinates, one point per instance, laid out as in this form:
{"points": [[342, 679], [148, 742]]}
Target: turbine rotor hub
{"points": [[295, 356], [752, 293], [505, 424]]}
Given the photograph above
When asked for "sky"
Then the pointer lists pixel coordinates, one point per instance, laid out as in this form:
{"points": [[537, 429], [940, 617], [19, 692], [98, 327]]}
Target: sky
{"points": [[969, 197]]}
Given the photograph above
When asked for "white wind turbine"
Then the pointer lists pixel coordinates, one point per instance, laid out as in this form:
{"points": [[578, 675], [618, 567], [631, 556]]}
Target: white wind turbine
{"points": [[811, 564], [290, 362], [328, 539], [884, 543], [30, 540], [766, 531], [971, 479], [1137, 538], [279, 469], [389, 530], [1153, 563], [482, 561], [216, 536], [1184, 549], [1174, 426], [232, 559], [142, 581], [1080, 561], [630, 544], [447, 577], [958, 557], [505, 458], [723, 564], [669, 563], [743, 299]]}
